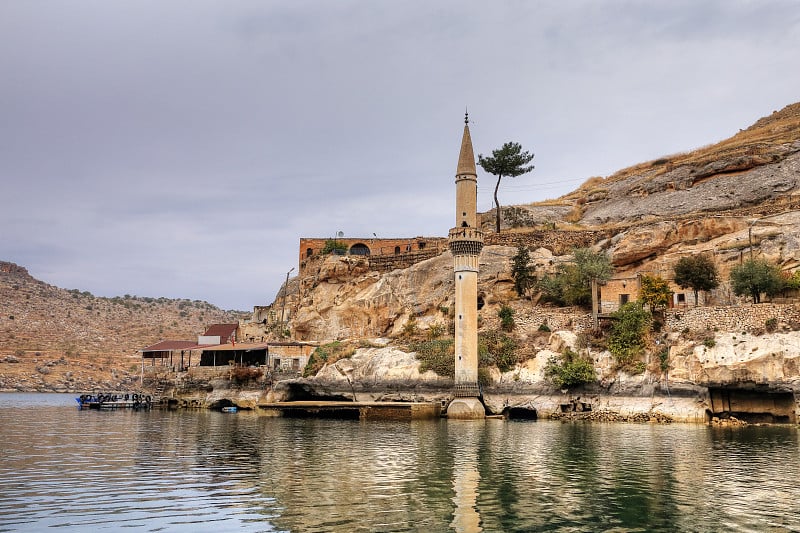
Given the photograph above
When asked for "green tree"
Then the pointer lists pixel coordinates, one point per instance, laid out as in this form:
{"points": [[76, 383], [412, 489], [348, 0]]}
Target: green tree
{"points": [[697, 272], [334, 246], [509, 160], [756, 276], [572, 283], [654, 291], [627, 339], [521, 271]]}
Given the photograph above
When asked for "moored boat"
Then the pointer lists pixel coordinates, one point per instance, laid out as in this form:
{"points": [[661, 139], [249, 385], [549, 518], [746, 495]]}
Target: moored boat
{"points": [[115, 400]]}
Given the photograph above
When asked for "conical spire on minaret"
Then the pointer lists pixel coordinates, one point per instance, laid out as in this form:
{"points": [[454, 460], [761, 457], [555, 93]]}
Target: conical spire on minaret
{"points": [[466, 159]]}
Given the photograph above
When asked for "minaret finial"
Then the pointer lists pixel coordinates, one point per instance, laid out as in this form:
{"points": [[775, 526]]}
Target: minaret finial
{"points": [[466, 116]]}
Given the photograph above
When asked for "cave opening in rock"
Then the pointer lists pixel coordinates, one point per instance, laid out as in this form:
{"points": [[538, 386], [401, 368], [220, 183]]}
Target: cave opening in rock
{"points": [[521, 413], [754, 406]]}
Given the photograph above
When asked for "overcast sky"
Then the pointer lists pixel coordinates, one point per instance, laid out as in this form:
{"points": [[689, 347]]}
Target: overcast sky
{"points": [[182, 148]]}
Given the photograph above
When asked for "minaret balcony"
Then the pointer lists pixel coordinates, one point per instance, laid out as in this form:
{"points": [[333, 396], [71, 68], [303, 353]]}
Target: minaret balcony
{"points": [[465, 241]]}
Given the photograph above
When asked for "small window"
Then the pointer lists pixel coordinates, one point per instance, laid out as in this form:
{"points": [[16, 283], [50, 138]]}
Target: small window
{"points": [[681, 298], [309, 252], [396, 250], [421, 245], [623, 299]]}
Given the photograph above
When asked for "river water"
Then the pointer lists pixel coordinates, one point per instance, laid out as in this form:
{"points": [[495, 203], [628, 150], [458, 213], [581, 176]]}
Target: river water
{"points": [[63, 469]]}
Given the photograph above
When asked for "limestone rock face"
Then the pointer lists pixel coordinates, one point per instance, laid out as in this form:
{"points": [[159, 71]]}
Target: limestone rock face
{"points": [[735, 358], [377, 365], [346, 300], [652, 240], [736, 182]]}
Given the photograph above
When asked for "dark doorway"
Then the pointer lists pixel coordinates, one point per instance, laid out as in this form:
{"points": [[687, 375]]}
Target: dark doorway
{"points": [[359, 249]]}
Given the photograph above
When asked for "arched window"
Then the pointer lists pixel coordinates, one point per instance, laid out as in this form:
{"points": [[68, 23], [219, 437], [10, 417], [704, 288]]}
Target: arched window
{"points": [[359, 249], [396, 250]]}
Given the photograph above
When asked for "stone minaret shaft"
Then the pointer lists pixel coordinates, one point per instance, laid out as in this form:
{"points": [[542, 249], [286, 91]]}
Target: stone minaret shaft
{"points": [[465, 242]]}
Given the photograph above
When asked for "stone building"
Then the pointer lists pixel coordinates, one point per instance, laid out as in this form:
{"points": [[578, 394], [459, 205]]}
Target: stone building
{"points": [[311, 247]]}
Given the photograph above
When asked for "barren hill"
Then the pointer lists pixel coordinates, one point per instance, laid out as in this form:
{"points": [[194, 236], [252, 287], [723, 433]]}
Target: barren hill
{"points": [[85, 335]]}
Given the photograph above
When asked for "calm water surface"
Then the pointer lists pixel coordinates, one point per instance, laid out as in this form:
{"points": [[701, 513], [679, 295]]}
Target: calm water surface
{"points": [[62, 469]]}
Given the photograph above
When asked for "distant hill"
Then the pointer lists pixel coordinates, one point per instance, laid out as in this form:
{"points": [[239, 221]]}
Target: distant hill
{"points": [[46, 323]]}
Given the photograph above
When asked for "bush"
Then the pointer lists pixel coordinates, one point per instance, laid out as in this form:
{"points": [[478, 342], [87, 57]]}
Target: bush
{"points": [[569, 370], [327, 354], [497, 349], [771, 324], [484, 377], [663, 359], [410, 328], [506, 315], [627, 338], [437, 355], [244, 374], [435, 330], [544, 328], [333, 246], [709, 342]]}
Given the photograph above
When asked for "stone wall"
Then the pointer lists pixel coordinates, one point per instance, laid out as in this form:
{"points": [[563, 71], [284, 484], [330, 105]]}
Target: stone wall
{"points": [[748, 317], [560, 242], [311, 247]]}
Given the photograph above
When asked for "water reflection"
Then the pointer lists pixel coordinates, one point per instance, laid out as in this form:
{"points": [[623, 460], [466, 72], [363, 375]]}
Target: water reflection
{"points": [[204, 471], [465, 437]]}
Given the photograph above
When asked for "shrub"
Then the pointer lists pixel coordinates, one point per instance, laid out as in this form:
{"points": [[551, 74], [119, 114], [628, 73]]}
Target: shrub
{"points": [[327, 354], [410, 328], [506, 315], [771, 324], [663, 359], [484, 377], [709, 342], [569, 370], [627, 338], [334, 246], [437, 355], [243, 374], [498, 349], [544, 327], [435, 330]]}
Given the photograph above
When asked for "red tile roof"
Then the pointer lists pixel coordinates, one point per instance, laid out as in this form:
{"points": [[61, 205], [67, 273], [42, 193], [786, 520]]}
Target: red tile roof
{"points": [[224, 331], [166, 346]]}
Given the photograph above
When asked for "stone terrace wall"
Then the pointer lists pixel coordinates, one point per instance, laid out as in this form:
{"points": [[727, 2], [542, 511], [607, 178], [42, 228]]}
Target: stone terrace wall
{"points": [[749, 317], [559, 242]]}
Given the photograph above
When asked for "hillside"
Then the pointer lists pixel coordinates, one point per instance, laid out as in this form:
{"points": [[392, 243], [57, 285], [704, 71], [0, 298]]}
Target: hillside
{"points": [[738, 195], [82, 335], [753, 172]]}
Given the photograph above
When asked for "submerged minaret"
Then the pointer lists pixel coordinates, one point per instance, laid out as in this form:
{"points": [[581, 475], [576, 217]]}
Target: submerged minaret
{"points": [[465, 242]]}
